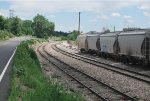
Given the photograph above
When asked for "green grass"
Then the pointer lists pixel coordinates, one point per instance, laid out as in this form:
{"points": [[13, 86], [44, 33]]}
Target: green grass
{"points": [[4, 35], [30, 84], [55, 38]]}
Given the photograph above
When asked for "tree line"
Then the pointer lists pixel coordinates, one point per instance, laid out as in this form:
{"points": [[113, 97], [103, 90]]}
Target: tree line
{"points": [[40, 26]]}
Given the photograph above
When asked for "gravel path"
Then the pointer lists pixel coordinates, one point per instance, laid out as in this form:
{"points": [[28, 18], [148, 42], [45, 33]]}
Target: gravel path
{"points": [[132, 87]]}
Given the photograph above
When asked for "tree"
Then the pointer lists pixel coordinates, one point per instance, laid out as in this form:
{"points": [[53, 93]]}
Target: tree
{"points": [[15, 26], [2, 22], [51, 28], [27, 27], [7, 25], [73, 35], [60, 33], [42, 27]]}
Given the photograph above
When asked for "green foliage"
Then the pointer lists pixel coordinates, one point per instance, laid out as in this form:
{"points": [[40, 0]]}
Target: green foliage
{"points": [[64, 38], [73, 35], [5, 35], [60, 33], [7, 25], [29, 83], [13, 25], [36, 40], [42, 27], [2, 22], [16, 26], [20, 71], [27, 27]]}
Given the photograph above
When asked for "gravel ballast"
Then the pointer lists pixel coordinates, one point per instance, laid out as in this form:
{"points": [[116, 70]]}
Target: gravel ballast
{"points": [[131, 86], [51, 71]]}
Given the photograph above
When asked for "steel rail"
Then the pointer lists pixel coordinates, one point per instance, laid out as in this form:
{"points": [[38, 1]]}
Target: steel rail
{"points": [[94, 79], [125, 72]]}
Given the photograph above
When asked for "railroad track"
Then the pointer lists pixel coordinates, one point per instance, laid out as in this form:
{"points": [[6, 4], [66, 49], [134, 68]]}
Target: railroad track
{"points": [[103, 91], [132, 74]]}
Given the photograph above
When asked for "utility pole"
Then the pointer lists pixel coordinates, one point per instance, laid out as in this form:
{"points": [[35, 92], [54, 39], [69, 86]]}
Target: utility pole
{"points": [[79, 24], [114, 29], [11, 13]]}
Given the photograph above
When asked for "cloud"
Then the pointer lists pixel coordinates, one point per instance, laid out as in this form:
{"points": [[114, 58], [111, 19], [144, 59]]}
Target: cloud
{"points": [[131, 21], [146, 13], [66, 28], [31, 7], [104, 17], [4, 12], [115, 14], [127, 17], [104, 9], [99, 17], [144, 7]]}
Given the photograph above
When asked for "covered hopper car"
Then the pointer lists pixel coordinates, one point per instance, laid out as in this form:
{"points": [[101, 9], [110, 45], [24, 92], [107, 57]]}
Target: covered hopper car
{"points": [[128, 45]]}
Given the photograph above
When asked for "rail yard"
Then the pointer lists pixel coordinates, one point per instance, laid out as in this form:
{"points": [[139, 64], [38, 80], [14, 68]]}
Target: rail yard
{"points": [[96, 78], [74, 50]]}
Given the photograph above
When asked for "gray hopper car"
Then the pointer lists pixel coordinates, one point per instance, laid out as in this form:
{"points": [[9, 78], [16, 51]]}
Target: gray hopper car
{"points": [[135, 45], [128, 46], [89, 42]]}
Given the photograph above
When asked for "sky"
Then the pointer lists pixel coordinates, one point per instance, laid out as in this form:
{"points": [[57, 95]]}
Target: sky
{"points": [[95, 14]]}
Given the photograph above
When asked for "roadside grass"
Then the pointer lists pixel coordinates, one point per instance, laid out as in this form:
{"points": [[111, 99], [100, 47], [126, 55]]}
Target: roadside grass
{"points": [[65, 38], [55, 38], [73, 43], [30, 84], [4, 35]]}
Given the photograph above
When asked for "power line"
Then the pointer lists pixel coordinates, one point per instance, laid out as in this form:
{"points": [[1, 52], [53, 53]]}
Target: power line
{"points": [[11, 13]]}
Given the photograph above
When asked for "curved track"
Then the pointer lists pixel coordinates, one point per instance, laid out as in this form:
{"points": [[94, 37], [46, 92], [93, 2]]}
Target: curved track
{"points": [[126, 72], [98, 88]]}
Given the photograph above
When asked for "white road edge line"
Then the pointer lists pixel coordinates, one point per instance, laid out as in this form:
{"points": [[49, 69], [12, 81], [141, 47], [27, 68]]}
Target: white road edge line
{"points": [[115, 63], [4, 70]]}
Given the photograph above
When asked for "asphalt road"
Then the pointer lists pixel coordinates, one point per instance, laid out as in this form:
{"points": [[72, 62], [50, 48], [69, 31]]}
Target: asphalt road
{"points": [[7, 49]]}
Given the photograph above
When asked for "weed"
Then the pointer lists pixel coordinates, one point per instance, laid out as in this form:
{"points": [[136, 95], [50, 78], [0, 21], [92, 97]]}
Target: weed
{"points": [[5, 35], [29, 83]]}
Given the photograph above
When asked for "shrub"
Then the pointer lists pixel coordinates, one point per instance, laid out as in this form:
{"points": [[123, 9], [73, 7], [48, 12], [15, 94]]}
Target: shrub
{"points": [[5, 35]]}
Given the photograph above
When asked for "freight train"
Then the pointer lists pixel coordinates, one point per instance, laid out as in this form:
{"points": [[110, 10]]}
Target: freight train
{"points": [[129, 45]]}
